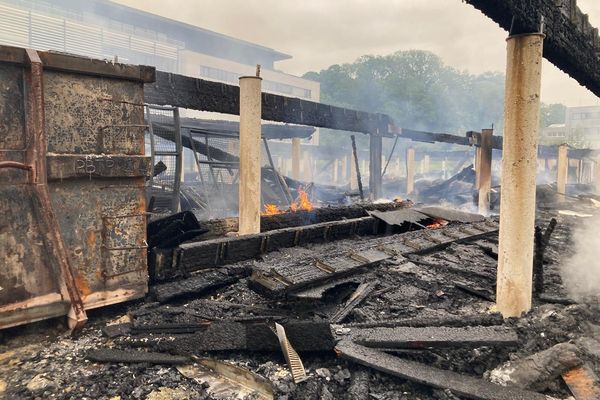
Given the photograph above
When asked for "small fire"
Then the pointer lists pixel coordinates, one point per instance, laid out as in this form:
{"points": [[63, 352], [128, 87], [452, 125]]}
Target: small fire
{"points": [[271, 209], [437, 223], [303, 202]]}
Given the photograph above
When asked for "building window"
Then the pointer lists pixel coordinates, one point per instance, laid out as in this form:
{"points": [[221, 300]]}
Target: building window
{"points": [[270, 86]]}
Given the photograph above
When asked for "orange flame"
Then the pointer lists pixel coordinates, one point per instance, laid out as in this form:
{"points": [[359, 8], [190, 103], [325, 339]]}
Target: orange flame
{"points": [[271, 209], [437, 223], [303, 202]]}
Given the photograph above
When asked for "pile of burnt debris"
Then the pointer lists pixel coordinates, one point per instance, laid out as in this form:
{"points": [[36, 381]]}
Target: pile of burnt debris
{"points": [[365, 302]]}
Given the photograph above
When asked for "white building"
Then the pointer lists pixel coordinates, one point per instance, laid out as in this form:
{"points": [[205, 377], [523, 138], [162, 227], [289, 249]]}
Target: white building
{"points": [[581, 128], [103, 29]]}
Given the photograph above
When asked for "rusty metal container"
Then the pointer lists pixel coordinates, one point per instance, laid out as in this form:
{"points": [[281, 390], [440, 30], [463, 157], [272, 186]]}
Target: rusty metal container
{"points": [[72, 176]]}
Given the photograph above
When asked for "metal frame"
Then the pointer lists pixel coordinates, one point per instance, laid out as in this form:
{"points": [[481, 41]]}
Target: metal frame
{"points": [[178, 153]]}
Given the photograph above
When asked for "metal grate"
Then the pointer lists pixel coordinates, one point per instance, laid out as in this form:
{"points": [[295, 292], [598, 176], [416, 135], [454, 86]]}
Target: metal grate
{"points": [[166, 150]]}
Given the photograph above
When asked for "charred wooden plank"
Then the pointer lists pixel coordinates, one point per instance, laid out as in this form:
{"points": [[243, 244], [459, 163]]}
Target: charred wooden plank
{"points": [[361, 293], [207, 254], [447, 320], [282, 280], [462, 385], [305, 336], [169, 328], [219, 227], [128, 356], [197, 285], [278, 282], [426, 337]]}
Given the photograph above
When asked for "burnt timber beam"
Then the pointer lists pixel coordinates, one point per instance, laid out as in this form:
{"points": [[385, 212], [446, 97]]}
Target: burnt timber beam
{"points": [[462, 385], [232, 128], [198, 94], [571, 43], [428, 337]]}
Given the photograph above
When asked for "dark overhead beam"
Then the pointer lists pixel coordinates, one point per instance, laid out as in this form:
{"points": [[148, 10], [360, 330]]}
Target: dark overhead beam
{"points": [[571, 43], [269, 131], [198, 94]]}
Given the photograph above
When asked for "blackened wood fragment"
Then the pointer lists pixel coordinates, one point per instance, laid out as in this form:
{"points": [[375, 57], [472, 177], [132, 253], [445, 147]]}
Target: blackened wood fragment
{"points": [[462, 385], [427, 337], [128, 356]]}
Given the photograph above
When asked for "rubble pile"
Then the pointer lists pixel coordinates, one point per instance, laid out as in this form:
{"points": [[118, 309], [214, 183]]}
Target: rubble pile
{"points": [[405, 315]]}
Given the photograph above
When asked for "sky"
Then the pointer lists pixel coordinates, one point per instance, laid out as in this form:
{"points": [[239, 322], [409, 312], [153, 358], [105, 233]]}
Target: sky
{"points": [[320, 33]]}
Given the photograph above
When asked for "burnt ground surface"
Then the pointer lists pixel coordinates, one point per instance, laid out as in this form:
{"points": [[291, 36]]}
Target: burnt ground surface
{"points": [[42, 360]]}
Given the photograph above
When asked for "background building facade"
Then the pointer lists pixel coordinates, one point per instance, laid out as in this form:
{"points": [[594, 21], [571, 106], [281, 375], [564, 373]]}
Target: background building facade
{"points": [[106, 30], [581, 128]]}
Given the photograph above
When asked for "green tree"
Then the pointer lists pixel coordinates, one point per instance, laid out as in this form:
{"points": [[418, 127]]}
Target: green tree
{"points": [[552, 114], [416, 89]]}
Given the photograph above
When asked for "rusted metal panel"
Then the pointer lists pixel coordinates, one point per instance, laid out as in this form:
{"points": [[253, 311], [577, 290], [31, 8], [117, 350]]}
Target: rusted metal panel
{"points": [[72, 175], [66, 166]]}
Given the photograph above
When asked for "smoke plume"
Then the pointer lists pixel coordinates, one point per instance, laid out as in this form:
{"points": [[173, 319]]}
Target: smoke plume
{"points": [[581, 272]]}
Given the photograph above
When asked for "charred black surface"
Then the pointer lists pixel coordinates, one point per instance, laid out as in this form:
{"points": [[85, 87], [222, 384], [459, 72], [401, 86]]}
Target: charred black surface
{"points": [[199, 94], [571, 43], [129, 356], [462, 385], [425, 337]]}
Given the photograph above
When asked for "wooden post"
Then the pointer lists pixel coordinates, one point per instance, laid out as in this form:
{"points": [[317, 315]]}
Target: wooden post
{"points": [[519, 161], [296, 158], [562, 169], [410, 170], [485, 170], [375, 149], [250, 157]]}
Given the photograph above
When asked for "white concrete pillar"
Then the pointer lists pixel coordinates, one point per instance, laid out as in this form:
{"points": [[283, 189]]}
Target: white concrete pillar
{"points": [[250, 155], [562, 169], [410, 170], [519, 161], [295, 158], [485, 170]]}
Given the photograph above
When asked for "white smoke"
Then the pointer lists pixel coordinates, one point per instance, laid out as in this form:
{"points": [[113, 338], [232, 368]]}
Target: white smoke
{"points": [[581, 272]]}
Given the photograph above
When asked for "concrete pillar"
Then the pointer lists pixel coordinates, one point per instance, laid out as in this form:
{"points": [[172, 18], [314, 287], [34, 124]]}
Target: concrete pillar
{"points": [[519, 161], [485, 170], [375, 149], [296, 158], [426, 163], [410, 170], [250, 157], [344, 172], [445, 168], [562, 169], [476, 166], [597, 175], [306, 166], [335, 172]]}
